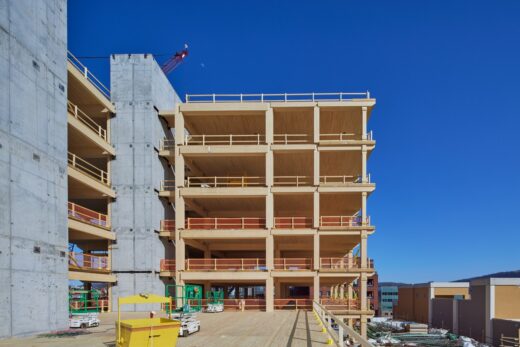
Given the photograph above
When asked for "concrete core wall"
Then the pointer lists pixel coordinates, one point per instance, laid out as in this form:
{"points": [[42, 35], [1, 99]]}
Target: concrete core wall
{"points": [[138, 89], [33, 167]]}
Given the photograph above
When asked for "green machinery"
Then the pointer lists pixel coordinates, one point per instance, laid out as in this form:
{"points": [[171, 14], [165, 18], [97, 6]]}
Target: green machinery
{"points": [[84, 301], [190, 295], [215, 297]]}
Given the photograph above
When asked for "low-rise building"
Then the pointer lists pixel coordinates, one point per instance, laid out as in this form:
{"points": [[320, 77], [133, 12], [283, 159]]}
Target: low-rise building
{"points": [[388, 296], [415, 301]]}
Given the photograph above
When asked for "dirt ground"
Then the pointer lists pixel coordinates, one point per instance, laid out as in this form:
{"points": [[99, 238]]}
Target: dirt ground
{"points": [[227, 329]]}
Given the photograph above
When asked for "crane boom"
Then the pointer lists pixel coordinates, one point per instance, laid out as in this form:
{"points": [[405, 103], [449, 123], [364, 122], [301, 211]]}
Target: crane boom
{"points": [[173, 62]]}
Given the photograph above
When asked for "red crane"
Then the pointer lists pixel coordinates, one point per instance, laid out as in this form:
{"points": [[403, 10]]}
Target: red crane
{"points": [[175, 60]]}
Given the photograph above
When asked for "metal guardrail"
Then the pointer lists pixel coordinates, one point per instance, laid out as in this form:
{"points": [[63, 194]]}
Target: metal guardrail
{"points": [[88, 169], [88, 216], [87, 262], [293, 264], [506, 341], [343, 333], [226, 264], [225, 181], [88, 75], [225, 223], [85, 119], [279, 97]]}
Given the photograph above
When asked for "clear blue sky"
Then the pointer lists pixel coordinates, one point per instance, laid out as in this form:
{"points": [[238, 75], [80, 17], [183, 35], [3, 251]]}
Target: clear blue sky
{"points": [[446, 75]]}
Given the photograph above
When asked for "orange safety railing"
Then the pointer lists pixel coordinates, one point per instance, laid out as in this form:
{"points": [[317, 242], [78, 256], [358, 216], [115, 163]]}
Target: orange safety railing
{"points": [[229, 140], [296, 181], [293, 264], [86, 215], [232, 182], [226, 264], [343, 221], [168, 225], [225, 223], [290, 139], [88, 169], [293, 304], [340, 304], [85, 261], [167, 185], [292, 222], [167, 144], [167, 265], [343, 263], [89, 122]]}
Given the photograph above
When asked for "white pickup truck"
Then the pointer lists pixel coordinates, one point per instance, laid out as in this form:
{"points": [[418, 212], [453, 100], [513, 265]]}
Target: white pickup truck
{"points": [[84, 320]]}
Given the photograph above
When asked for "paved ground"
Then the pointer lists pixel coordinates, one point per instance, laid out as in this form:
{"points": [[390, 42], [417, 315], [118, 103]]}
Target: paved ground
{"points": [[280, 328]]}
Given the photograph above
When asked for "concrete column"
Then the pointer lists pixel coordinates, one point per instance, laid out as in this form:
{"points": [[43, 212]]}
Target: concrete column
{"points": [[269, 252], [431, 296], [316, 168], [316, 251], [269, 126], [363, 292], [364, 154], [489, 311], [342, 291], [269, 294], [350, 292], [179, 128], [316, 288], [363, 249], [363, 326], [207, 253], [316, 210], [364, 111], [179, 169], [180, 254], [180, 210], [364, 206], [269, 169], [269, 211], [455, 317], [316, 124]]}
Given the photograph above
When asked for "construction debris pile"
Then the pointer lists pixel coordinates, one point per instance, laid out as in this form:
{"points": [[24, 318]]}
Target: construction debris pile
{"points": [[387, 332]]}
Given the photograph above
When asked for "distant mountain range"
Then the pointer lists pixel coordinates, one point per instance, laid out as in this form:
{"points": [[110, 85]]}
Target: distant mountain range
{"points": [[505, 274]]}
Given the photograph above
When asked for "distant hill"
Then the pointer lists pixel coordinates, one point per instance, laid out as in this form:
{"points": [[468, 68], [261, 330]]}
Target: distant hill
{"points": [[391, 284], [505, 274]]}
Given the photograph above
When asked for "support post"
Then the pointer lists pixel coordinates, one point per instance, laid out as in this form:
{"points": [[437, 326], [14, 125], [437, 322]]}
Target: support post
{"points": [[316, 288], [316, 251], [364, 117], [269, 211], [269, 128], [316, 181], [269, 295], [316, 124], [316, 210], [269, 252]]}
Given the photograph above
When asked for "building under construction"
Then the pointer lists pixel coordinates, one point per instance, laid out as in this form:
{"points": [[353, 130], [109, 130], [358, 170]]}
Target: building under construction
{"points": [[125, 189]]}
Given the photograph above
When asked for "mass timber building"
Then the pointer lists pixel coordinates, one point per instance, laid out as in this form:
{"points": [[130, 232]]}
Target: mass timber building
{"points": [[270, 195]]}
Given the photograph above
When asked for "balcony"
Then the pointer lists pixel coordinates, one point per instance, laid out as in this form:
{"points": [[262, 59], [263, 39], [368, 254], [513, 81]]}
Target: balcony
{"points": [[224, 140], [86, 175], [344, 138], [227, 182], [343, 264], [292, 139], [343, 222], [293, 223], [226, 264], [225, 223], [88, 216], [343, 180], [293, 264], [167, 265], [281, 97], [83, 70], [88, 262]]}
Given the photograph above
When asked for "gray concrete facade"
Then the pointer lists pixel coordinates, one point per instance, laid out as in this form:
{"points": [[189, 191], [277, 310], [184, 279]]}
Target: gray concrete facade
{"points": [[139, 89], [33, 167]]}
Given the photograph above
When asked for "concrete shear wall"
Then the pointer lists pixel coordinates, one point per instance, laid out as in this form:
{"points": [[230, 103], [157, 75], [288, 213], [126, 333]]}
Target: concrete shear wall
{"points": [[33, 167], [139, 89]]}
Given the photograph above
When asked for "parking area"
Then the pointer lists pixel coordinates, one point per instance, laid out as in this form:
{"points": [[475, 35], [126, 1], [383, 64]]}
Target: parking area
{"points": [[280, 328]]}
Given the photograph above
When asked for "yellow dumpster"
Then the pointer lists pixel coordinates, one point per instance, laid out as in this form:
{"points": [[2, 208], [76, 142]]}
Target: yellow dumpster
{"points": [[146, 332]]}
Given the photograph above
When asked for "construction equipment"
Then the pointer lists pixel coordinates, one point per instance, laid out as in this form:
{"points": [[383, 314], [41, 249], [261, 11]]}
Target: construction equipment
{"points": [[173, 62], [87, 320], [187, 298], [215, 301], [83, 301], [157, 332]]}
